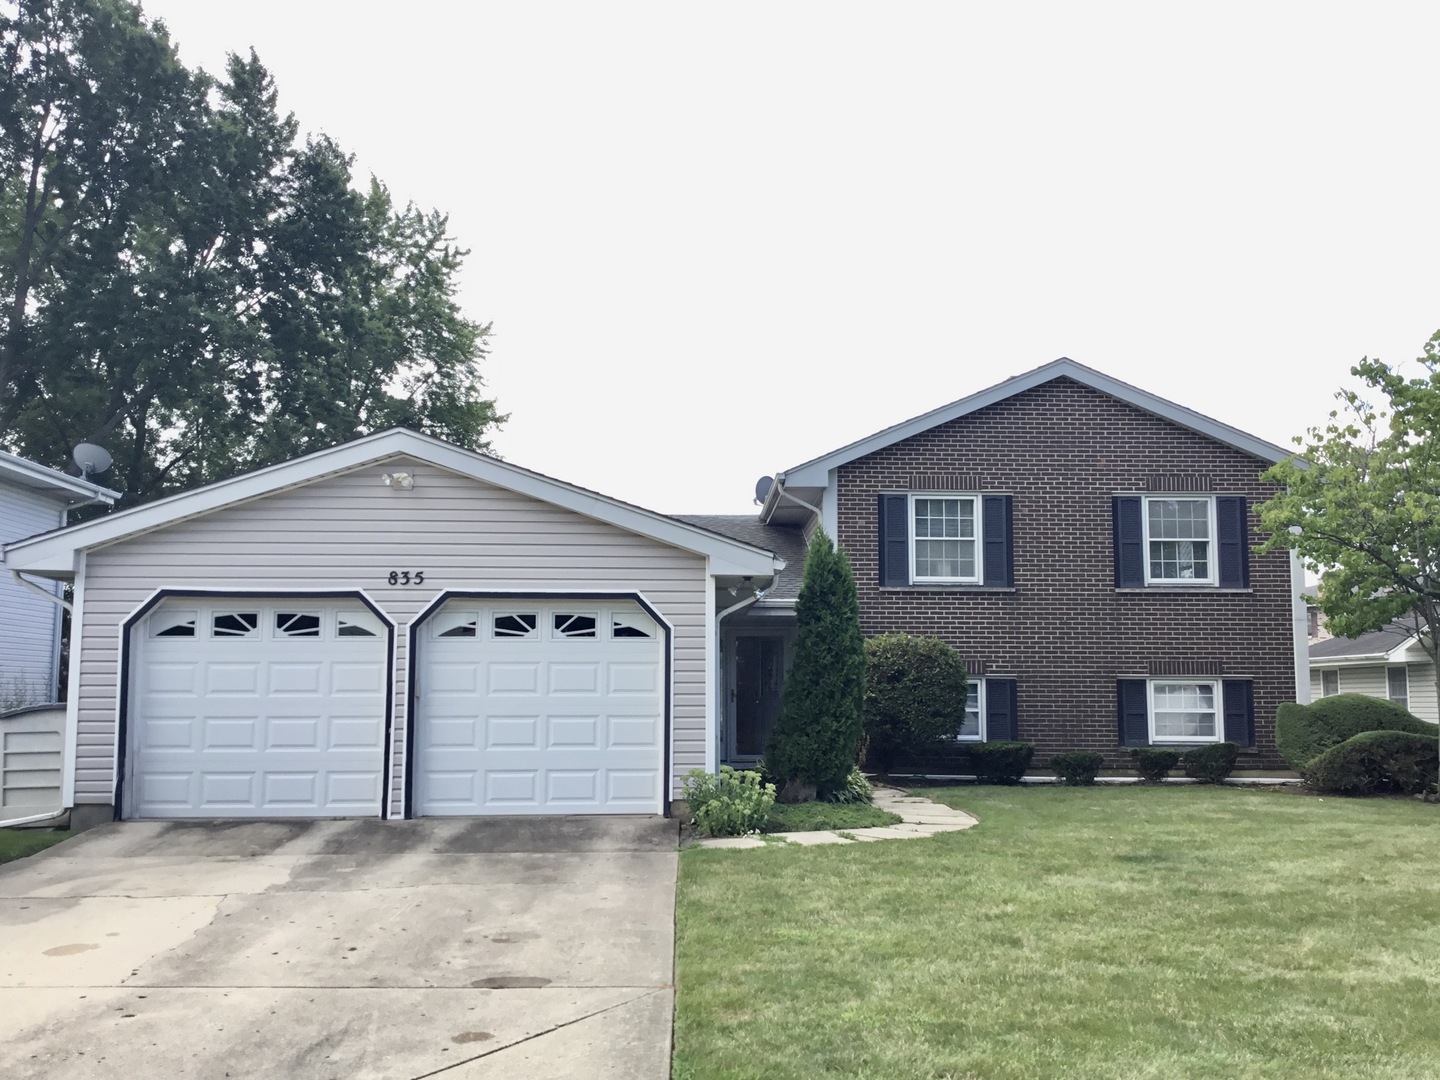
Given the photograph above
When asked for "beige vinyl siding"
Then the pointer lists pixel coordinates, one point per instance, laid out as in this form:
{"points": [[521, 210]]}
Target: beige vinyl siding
{"points": [[349, 532], [1372, 680], [29, 624]]}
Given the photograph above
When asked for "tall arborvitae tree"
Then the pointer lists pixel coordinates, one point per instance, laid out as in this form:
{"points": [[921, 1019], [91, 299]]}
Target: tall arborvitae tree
{"points": [[813, 745], [183, 282]]}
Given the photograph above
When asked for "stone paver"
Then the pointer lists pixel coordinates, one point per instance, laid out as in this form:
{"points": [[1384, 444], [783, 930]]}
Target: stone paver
{"points": [[918, 817]]}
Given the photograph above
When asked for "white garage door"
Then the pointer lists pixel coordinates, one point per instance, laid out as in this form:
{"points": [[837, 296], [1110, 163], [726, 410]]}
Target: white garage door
{"points": [[539, 708], [257, 708]]}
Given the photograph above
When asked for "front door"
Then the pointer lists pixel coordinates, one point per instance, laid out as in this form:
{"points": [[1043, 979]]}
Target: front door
{"points": [[757, 673]]}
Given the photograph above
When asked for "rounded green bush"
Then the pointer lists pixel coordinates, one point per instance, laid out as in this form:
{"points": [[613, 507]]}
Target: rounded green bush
{"points": [[1154, 763], [1077, 767], [1376, 761], [1303, 732], [914, 697], [1210, 764]]}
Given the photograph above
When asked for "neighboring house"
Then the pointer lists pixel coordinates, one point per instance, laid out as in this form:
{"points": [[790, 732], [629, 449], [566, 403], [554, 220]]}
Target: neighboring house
{"points": [[398, 627], [391, 627], [1387, 663], [34, 499], [1087, 547]]}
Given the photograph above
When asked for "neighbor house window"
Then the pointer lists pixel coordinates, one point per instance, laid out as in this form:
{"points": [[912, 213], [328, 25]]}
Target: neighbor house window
{"points": [[1329, 683], [1178, 535], [973, 729], [1184, 712], [943, 531], [1397, 681]]}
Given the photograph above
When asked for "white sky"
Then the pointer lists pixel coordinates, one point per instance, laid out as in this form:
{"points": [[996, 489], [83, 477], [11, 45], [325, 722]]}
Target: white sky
{"points": [[718, 240]]}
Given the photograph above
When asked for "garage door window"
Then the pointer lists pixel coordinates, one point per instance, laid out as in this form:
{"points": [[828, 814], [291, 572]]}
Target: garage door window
{"points": [[453, 624], [355, 626], [235, 624], [570, 625], [622, 626], [173, 624], [297, 624], [511, 626]]}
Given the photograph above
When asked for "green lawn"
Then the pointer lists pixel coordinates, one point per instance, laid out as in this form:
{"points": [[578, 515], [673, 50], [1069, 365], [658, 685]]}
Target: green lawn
{"points": [[17, 843], [811, 816], [1122, 932]]}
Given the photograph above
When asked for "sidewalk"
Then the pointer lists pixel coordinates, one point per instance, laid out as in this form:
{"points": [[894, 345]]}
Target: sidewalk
{"points": [[919, 817]]}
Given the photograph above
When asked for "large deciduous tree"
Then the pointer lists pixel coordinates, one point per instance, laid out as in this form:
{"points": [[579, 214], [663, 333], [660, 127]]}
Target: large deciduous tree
{"points": [[813, 745], [185, 282], [1361, 503]]}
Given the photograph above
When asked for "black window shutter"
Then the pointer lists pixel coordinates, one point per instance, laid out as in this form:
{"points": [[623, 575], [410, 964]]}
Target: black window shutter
{"points": [[1133, 712], [1234, 542], [894, 540], [1239, 712], [999, 568], [1001, 723], [1129, 543]]}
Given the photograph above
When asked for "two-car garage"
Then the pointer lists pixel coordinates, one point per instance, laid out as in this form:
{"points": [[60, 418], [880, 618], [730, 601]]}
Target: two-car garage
{"points": [[279, 707]]}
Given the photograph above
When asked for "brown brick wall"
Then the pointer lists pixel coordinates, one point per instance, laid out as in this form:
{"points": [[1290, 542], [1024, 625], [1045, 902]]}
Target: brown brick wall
{"points": [[1062, 450]]}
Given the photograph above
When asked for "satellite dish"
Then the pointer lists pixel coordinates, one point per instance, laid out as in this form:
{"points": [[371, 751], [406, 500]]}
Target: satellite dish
{"points": [[762, 488], [92, 458]]}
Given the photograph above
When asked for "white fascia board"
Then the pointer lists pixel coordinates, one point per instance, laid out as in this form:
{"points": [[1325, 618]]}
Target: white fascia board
{"points": [[1369, 660], [813, 473], [32, 475], [55, 552]]}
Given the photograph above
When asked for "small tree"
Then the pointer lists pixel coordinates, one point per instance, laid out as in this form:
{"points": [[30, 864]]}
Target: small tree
{"points": [[914, 697], [812, 746], [1362, 504]]}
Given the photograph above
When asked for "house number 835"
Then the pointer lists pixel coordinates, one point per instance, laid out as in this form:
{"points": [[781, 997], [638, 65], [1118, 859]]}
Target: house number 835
{"points": [[406, 577]]}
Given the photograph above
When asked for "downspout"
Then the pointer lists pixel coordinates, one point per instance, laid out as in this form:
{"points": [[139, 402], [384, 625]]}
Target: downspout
{"points": [[723, 683], [38, 591]]}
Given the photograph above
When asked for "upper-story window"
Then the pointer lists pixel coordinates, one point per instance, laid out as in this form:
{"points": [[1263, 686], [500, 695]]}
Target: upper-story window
{"points": [[1181, 540], [1178, 535], [1397, 686], [943, 534], [944, 538], [1329, 683]]}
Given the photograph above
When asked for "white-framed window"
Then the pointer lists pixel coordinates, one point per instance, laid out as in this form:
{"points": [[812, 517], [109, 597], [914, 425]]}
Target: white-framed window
{"points": [[973, 730], [1179, 540], [944, 538], [1397, 686], [1329, 683], [1185, 711]]}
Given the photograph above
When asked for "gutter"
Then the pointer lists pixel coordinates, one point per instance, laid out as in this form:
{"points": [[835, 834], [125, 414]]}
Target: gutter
{"points": [[38, 591]]}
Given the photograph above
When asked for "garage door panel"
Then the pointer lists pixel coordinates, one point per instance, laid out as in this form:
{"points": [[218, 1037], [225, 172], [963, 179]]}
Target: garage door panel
{"points": [[633, 731], [632, 678], [574, 678], [513, 678], [512, 732], [632, 786], [517, 787], [283, 717], [569, 732]]}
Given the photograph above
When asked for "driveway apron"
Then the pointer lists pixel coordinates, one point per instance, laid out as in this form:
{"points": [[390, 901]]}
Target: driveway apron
{"points": [[461, 949]]}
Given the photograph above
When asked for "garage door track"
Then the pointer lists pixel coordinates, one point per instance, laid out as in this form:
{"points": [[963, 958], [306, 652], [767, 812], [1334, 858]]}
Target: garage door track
{"points": [[462, 949]]}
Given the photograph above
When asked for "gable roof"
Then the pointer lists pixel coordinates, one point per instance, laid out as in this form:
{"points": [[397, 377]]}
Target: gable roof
{"points": [[55, 552], [1384, 644], [786, 541], [813, 473], [30, 474]]}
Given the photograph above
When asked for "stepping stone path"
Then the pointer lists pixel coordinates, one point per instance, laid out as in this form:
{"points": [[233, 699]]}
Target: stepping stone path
{"points": [[919, 817]]}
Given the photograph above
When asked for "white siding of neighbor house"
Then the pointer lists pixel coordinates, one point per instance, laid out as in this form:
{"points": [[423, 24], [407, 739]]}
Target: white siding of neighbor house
{"points": [[348, 532], [29, 624], [1373, 681]]}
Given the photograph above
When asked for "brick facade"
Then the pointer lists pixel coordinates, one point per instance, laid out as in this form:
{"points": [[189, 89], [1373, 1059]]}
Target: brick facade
{"points": [[1062, 450]]}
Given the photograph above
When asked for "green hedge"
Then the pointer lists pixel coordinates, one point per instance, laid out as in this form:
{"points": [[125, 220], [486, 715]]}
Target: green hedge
{"points": [[1000, 762], [1153, 763], [1077, 767], [1304, 732], [1376, 761], [1210, 764]]}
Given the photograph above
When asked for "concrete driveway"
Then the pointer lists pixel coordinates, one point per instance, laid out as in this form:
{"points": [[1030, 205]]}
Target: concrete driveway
{"points": [[464, 949]]}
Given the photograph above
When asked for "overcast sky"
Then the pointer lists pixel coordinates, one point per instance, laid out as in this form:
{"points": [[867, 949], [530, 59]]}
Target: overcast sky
{"points": [[718, 240]]}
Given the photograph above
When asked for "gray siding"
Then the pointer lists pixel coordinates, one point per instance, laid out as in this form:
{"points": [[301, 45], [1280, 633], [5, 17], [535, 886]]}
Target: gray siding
{"points": [[350, 531], [29, 624], [1372, 681], [32, 744]]}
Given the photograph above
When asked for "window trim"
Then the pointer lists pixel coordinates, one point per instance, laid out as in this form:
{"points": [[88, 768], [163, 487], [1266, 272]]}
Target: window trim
{"points": [[1213, 550], [1404, 672], [1217, 689], [979, 684], [977, 540], [1335, 674]]}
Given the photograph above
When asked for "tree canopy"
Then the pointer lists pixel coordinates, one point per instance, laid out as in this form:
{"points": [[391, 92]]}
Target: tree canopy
{"points": [[186, 282], [1363, 500]]}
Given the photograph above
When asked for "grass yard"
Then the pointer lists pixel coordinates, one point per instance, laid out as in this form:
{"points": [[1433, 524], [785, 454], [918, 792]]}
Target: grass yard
{"points": [[812, 816], [1125, 932], [17, 843]]}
